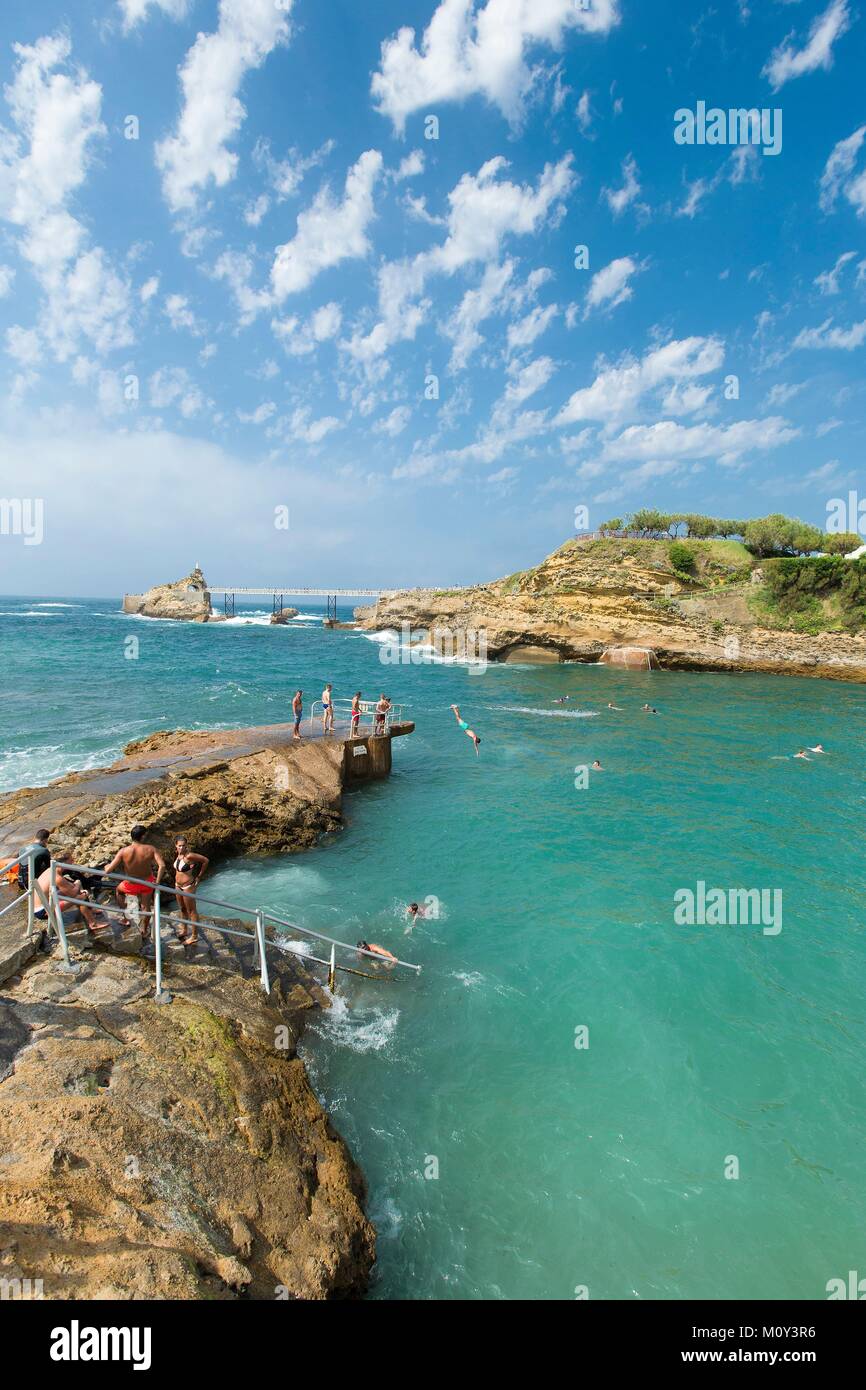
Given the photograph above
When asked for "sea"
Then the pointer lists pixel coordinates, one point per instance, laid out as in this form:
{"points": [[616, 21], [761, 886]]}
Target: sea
{"points": [[597, 1086]]}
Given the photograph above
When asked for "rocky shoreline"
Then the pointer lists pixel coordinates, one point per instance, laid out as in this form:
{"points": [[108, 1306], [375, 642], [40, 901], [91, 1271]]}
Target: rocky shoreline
{"points": [[575, 606], [176, 1150]]}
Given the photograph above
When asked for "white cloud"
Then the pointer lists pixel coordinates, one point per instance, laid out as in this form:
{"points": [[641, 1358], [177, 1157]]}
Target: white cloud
{"points": [[611, 286], [740, 165], [149, 289], [618, 391], [787, 62], [395, 423], [782, 393], [256, 210], [236, 269], [179, 314], [525, 331], [328, 232], [470, 49], [483, 210], [258, 416], [308, 431], [828, 280], [44, 160], [134, 11], [7, 275], [476, 306], [668, 440], [826, 336], [23, 345], [212, 113], [836, 177], [410, 167], [285, 176], [618, 199], [299, 338], [583, 111], [172, 386]]}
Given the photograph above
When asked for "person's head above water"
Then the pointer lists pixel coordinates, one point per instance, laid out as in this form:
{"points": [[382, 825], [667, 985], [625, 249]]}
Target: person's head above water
{"points": [[362, 946], [137, 834], [413, 907]]}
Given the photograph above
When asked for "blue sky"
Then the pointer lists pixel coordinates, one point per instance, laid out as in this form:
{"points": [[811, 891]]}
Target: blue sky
{"points": [[243, 308]]}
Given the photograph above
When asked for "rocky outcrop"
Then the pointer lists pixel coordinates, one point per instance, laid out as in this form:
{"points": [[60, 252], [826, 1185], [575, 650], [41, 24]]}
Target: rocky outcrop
{"points": [[588, 597], [282, 615], [186, 600], [170, 1151]]}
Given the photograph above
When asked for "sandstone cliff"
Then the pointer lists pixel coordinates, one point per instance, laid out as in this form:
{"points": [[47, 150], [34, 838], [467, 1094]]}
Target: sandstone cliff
{"points": [[170, 1151], [591, 595]]}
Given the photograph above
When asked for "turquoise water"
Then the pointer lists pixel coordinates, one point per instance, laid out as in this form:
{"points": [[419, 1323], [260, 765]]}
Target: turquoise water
{"points": [[558, 1166]]}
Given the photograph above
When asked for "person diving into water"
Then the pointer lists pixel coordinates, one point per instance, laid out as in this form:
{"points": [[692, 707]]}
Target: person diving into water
{"points": [[466, 729]]}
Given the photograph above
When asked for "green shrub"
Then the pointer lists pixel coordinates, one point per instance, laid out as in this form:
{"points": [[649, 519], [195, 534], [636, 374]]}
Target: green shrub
{"points": [[682, 557]]}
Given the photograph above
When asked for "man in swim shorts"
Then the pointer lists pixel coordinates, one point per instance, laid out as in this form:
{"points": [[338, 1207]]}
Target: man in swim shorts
{"points": [[327, 710], [466, 729], [356, 714], [138, 860], [297, 712], [71, 899]]}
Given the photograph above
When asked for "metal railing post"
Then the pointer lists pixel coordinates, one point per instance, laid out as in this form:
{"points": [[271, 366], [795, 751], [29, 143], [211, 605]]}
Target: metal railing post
{"points": [[162, 995], [31, 890], [260, 944], [67, 967], [332, 973]]}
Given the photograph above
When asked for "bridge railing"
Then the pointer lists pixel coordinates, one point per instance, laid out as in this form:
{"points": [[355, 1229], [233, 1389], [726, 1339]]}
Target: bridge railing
{"points": [[52, 907], [369, 722]]}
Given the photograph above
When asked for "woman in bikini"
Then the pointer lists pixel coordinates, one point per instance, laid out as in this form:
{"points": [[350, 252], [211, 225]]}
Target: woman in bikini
{"points": [[189, 868]]}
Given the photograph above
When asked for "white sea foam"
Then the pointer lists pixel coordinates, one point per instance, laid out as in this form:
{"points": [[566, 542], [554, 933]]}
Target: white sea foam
{"points": [[548, 713], [25, 613], [297, 948], [362, 1030], [58, 605]]}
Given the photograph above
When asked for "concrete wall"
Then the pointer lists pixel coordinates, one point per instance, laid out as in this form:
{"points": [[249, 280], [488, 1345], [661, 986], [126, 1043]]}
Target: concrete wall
{"points": [[372, 759]]}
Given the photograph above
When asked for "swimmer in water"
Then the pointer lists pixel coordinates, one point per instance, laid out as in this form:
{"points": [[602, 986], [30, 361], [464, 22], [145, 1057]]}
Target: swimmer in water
{"points": [[376, 950], [414, 911], [466, 729], [804, 755], [612, 706], [597, 767], [818, 749], [648, 709]]}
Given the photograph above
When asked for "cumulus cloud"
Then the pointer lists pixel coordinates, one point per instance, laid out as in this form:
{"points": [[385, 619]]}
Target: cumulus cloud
{"points": [[826, 336], [618, 391], [469, 49], [212, 113], [618, 199], [44, 161], [611, 285], [484, 209], [837, 176], [300, 338], [329, 231], [134, 11], [668, 440], [787, 62], [395, 423]]}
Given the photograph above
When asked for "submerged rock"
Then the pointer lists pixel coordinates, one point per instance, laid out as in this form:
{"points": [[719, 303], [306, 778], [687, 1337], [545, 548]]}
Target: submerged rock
{"points": [[283, 615]]}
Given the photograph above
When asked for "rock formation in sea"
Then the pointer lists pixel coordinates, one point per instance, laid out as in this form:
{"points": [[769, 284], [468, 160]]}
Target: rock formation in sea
{"points": [[187, 600], [593, 595], [282, 615]]}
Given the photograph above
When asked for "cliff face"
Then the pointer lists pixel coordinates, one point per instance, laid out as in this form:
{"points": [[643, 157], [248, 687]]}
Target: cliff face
{"points": [[170, 1151], [187, 600], [588, 596]]}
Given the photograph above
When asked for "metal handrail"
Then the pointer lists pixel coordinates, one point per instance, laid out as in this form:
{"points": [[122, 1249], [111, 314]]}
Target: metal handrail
{"points": [[259, 914], [368, 707]]}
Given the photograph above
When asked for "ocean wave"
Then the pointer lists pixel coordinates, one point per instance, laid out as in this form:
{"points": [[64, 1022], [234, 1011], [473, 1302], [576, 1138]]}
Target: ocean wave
{"points": [[25, 613], [59, 605]]}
